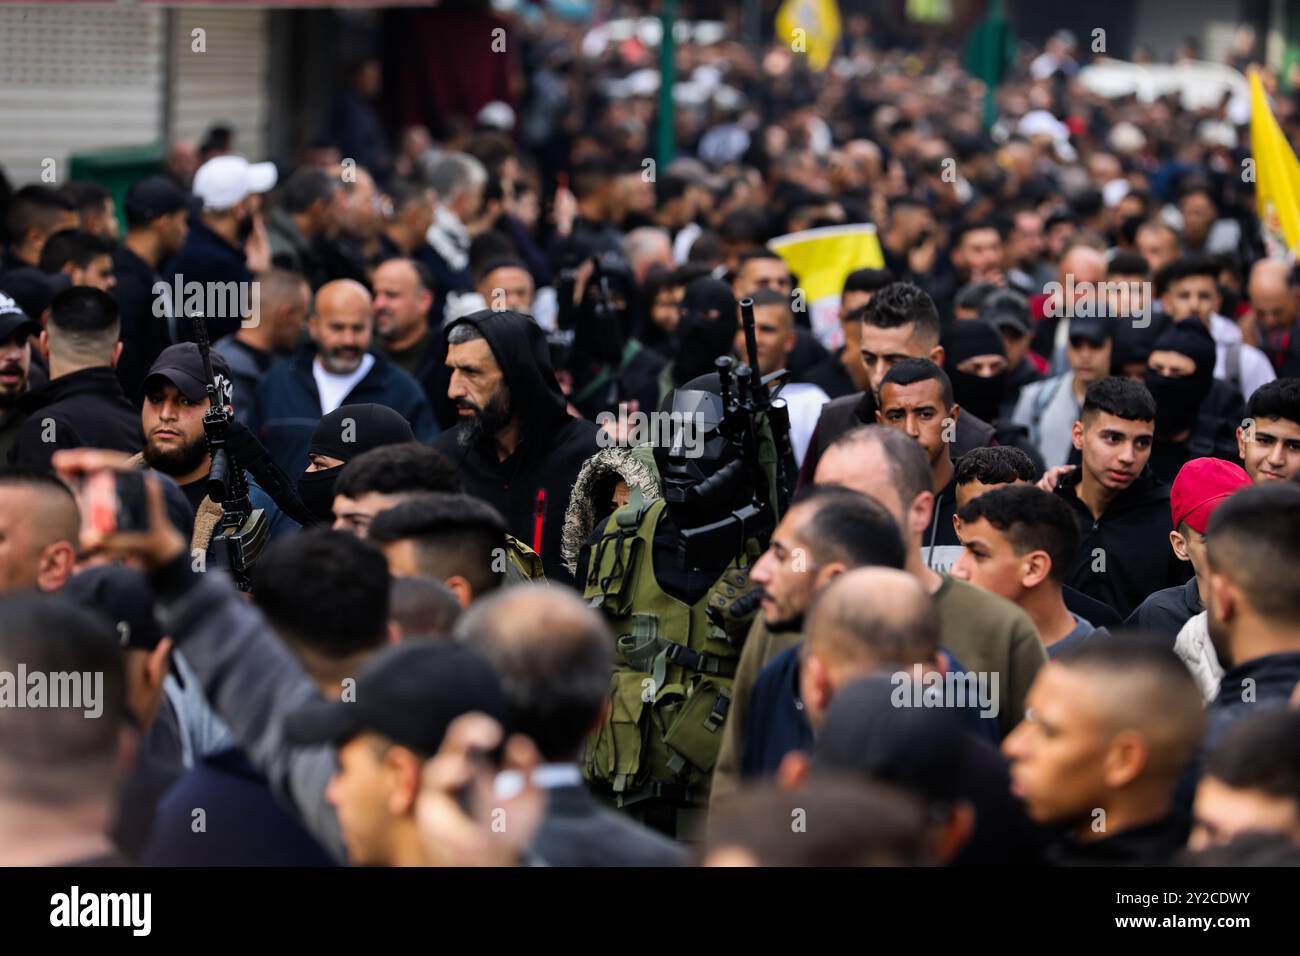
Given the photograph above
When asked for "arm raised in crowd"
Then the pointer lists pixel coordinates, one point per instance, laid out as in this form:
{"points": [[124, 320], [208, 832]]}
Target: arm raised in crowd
{"points": [[247, 675]]}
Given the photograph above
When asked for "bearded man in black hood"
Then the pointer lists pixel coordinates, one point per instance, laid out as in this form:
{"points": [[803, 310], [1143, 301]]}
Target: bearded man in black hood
{"points": [[1196, 414], [517, 446]]}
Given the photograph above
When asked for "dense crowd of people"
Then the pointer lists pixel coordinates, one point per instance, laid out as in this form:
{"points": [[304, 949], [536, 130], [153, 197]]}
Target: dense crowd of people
{"points": [[1029, 595]]}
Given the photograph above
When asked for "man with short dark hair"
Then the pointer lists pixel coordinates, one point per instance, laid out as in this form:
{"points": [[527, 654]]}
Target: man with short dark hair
{"points": [[1251, 782], [983, 469], [826, 532], [1108, 730], [984, 632], [1268, 441], [900, 322], [157, 224], [384, 477], [326, 596], [775, 338], [1122, 554], [308, 215], [456, 539], [60, 767], [842, 372], [916, 397], [83, 257], [83, 405], [96, 210], [35, 213], [554, 655], [1018, 542], [1253, 606], [273, 331]]}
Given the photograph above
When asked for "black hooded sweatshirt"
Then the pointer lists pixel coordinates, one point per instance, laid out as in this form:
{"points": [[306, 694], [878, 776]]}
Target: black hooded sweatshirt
{"points": [[531, 487], [1124, 555]]}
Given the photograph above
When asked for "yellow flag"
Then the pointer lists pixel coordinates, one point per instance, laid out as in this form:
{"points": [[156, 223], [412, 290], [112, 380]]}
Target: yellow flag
{"points": [[821, 260], [1277, 173], [811, 27]]}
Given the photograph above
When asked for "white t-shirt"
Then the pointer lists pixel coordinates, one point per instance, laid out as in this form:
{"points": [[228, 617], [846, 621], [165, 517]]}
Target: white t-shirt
{"points": [[332, 388], [1255, 368], [804, 401]]}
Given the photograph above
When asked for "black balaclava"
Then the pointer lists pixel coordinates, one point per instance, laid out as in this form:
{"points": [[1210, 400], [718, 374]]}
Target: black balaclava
{"points": [[701, 469], [967, 339], [708, 329], [1178, 400], [1134, 343], [345, 433]]}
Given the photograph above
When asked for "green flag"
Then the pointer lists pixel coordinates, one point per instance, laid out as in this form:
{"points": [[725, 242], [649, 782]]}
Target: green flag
{"points": [[990, 53]]}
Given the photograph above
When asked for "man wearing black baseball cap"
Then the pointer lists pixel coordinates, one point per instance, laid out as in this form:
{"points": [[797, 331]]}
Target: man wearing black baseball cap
{"points": [[395, 718], [1008, 312], [16, 329], [157, 216], [175, 401]]}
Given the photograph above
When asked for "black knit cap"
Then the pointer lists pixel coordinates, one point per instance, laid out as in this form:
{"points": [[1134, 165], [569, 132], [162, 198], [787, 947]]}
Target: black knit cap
{"points": [[970, 337]]}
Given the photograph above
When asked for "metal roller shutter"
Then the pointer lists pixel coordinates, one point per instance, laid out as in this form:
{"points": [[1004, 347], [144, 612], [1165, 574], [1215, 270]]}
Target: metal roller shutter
{"points": [[77, 78], [227, 83]]}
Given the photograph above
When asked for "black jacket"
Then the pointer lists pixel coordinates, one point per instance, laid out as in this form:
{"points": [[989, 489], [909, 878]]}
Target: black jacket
{"points": [[286, 405], [1272, 678], [144, 333], [845, 414], [207, 257], [531, 487], [1128, 545], [578, 831], [1151, 844], [84, 409], [829, 375], [1165, 612]]}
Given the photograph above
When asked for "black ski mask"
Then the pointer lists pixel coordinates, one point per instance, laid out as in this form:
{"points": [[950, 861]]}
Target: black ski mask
{"points": [[1179, 399], [345, 433], [707, 330], [979, 395], [701, 470]]}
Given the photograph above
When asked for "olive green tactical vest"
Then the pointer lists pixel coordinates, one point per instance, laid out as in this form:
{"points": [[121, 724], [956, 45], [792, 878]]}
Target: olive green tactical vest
{"points": [[523, 564], [675, 664]]}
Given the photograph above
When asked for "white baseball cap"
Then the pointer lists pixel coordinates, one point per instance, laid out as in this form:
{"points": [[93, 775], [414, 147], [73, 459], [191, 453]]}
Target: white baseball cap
{"points": [[223, 181]]}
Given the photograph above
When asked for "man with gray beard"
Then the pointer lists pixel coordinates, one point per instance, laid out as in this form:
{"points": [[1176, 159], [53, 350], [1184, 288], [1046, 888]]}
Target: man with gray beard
{"points": [[521, 455]]}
